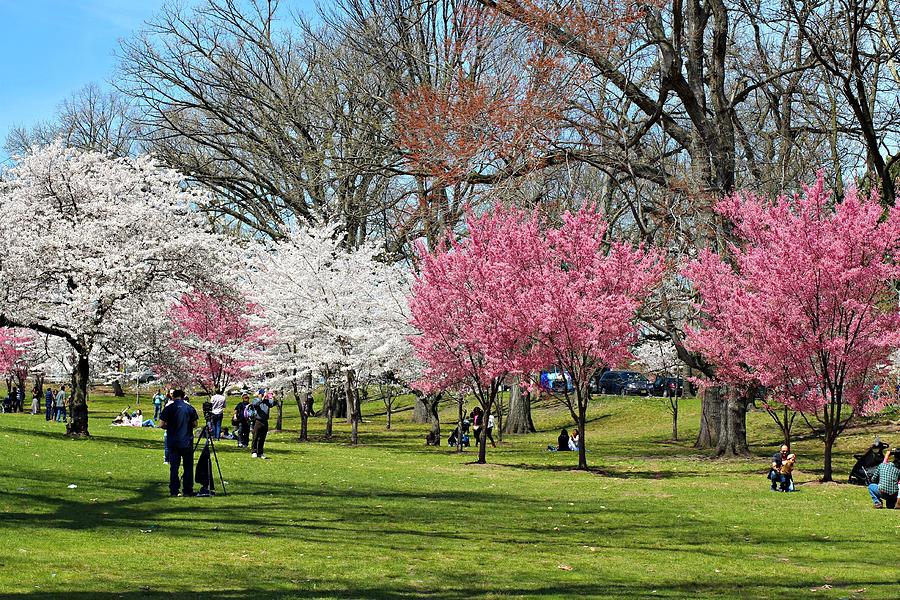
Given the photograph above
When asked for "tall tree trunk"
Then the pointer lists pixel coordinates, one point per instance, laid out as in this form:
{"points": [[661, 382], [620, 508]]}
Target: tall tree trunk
{"points": [[674, 404], [460, 403], [78, 420], [829, 447], [329, 408], [710, 418], [352, 392], [280, 415], [519, 418], [420, 411], [300, 399], [387, 407], [582, 400], [733, 425]]}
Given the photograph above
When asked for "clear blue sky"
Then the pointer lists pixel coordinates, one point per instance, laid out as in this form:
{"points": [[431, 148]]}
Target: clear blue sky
{"points": [[50, 48]]}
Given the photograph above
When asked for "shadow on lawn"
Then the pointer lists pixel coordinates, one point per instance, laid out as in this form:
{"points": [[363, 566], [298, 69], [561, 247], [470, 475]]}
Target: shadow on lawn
{"points": [[763, 586]]}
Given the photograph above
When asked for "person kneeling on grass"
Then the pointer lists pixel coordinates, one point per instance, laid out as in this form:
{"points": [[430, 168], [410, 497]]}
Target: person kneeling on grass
{"points": [[883, 488], [775, 469], [787, 468]]}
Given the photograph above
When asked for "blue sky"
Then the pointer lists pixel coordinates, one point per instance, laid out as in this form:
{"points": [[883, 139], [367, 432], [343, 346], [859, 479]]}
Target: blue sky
{"points": [[53, 47]]}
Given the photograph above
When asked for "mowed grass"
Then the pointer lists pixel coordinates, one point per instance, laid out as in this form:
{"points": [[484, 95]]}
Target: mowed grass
{"points": [[394, 519]]}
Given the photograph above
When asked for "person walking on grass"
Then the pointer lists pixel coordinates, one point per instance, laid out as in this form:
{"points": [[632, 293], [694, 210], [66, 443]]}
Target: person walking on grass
{"points": [[60, 403], [35, 401], [179, 419], [884, 488], [490, 429], [241, 421], [261, 407]]}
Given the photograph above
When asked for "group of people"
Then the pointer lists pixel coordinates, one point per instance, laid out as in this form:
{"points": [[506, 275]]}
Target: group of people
{"points": [[566, 442], [478, 423], [56, 402], [131, 419], [179, 420]]}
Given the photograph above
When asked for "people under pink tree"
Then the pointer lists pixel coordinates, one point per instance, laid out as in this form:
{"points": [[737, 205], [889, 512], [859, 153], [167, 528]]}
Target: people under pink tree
{"points": [[803, 303]]}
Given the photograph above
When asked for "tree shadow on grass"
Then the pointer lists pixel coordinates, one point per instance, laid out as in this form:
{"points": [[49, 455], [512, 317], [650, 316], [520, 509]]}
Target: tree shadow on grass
{"points": [[762, 586]]}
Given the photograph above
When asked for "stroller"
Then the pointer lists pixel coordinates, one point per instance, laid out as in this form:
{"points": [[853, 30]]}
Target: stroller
{"points": [[866, 464]]}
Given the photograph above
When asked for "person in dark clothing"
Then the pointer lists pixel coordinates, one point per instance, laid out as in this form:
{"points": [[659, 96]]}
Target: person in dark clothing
{"points": [[48, 403], [179, 420], [261, 408], [562, 442], [241, 422]]}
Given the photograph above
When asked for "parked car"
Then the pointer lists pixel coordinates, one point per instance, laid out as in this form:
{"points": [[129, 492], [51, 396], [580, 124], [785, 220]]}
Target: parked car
{"points": [[556, 380], [667, 385], [626, 383]]}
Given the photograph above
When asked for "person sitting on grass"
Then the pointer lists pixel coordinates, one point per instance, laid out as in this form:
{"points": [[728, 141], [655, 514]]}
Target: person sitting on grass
{"points": [[573, 440], [562, 442], [883, 488], [787, 467]]}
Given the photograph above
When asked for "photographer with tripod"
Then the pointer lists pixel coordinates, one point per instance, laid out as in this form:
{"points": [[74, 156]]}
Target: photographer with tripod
{"points": [[179, 420]]}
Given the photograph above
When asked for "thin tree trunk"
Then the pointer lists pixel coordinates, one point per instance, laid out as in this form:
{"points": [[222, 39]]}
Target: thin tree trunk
{"points": [[304, 416], [435, 419], [329, 408], [460, 402], [387, 408], [280, 416], [78, 420], [829, 447], [675, 417], [582, 421], [352, 392]]}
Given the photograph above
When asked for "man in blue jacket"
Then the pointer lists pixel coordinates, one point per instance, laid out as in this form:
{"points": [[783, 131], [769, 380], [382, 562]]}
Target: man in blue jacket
{"points": [[179, 420]]}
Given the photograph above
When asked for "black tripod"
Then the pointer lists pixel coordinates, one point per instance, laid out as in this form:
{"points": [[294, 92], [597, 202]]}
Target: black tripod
{"points": [[209, 450]]}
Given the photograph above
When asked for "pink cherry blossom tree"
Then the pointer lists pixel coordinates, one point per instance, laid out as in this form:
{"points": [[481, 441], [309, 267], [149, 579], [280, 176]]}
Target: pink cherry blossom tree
{"points": [[460, 305], [16, 354], [214, 341], [519, 294], [805, 306], [578, 302]]}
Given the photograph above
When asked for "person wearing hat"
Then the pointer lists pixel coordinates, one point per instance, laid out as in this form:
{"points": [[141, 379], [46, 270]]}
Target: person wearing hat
{"points": [[883, 488]]}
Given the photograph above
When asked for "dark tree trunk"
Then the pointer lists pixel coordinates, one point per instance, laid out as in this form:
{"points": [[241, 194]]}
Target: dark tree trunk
{"points": [[733, 425], [433, 402], [710, 417], [829, 447], [78, 421], [460, 403], [582, 400], [304, 416], [673, 402], [387, 408], [351, 390], [329, 408], [519, 418], [420, 411], [280, 416]]}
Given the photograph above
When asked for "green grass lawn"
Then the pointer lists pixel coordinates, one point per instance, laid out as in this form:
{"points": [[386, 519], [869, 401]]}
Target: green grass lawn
{"points": [[394, 519]]}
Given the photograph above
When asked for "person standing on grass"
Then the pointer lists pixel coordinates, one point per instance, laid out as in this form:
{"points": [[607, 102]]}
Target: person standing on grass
{"points": [[48, 403], [179, 419], [35, 401], [884, 488], [261, 407], [60, 403], [241, 422], [158, 401], [490, 429], [218, 402]]}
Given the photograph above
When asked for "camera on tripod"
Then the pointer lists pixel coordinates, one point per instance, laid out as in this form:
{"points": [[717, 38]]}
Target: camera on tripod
{"points": [[207, 411]]}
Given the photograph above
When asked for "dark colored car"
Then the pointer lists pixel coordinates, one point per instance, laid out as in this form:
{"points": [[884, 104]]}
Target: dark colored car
{"points": [[667, 385], [626, 383]]}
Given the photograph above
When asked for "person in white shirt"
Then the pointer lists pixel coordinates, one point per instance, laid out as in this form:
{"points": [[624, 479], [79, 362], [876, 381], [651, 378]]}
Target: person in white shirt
{"points": [[218, 402], [490, 429]]}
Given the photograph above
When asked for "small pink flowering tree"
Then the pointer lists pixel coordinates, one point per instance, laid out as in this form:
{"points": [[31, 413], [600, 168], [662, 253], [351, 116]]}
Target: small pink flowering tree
{"points": [[581, 294], [214, 341], [460, 304], [806, 305], [16, 346]]}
